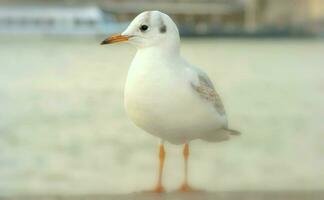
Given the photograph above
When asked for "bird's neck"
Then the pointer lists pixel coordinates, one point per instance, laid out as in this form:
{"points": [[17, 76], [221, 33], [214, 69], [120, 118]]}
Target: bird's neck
{"points": [[159, 51]]}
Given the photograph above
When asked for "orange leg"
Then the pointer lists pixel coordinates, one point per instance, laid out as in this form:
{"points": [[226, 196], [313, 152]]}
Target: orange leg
{"points": [[185, 186], [159, 187]]}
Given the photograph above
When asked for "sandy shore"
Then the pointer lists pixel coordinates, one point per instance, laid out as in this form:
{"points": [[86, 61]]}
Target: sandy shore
{"points": [[64, 129]]}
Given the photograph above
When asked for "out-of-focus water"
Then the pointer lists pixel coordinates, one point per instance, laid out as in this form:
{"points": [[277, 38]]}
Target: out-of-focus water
{"points": [[63, 128]]}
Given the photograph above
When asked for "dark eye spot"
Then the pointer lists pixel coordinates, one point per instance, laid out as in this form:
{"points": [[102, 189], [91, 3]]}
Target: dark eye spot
{"points": [[163, 29], [143, 27]]}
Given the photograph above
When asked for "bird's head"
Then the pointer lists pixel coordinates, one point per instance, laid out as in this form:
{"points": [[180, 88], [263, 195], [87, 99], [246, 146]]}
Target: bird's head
{"points": [[150, 28]]}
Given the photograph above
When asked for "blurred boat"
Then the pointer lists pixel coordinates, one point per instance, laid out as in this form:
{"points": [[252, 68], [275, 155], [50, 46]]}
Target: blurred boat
{"points": [[49, 20]]}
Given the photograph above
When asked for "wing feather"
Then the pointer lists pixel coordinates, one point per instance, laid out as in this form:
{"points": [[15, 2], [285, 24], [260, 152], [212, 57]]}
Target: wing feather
{"points": [[206, 90]]}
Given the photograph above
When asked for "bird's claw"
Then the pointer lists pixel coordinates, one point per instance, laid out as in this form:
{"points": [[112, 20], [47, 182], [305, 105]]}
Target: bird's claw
{"points": [[186, 188], [158, 189]]}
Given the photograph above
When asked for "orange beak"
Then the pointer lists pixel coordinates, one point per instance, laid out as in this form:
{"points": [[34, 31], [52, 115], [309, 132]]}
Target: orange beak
{"points": [[114, 39]]}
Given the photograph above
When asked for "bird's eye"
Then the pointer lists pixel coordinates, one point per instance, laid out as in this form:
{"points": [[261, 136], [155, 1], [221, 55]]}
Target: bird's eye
{"points": [[143, 27]]}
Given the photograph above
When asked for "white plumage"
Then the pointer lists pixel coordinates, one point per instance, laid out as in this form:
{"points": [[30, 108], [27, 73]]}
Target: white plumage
{"points": [[165, 95]]}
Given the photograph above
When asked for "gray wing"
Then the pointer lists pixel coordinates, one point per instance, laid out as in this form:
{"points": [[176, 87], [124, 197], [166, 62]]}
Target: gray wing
{"points": [[206, 90]]}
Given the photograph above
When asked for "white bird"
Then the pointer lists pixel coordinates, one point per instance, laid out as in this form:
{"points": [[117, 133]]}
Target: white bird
{"points": [[165, 95]]}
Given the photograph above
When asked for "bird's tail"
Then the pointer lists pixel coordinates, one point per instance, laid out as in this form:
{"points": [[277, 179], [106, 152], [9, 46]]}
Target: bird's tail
{"points": [[221, 135], [233, 132]]}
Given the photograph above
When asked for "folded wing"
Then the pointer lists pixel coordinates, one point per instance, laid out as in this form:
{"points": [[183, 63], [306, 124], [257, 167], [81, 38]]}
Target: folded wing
{"points": [[204, 87]]}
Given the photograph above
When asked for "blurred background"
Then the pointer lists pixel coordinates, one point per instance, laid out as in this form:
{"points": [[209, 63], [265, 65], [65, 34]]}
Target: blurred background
{"points": [[63, 128], [194, 18]]}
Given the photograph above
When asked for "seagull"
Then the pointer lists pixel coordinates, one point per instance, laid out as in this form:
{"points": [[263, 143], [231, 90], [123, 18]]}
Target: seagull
{"points": [[165, 95]]}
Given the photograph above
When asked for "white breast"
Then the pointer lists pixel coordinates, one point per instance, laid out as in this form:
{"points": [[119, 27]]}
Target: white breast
{"points": [[159, 99]]}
